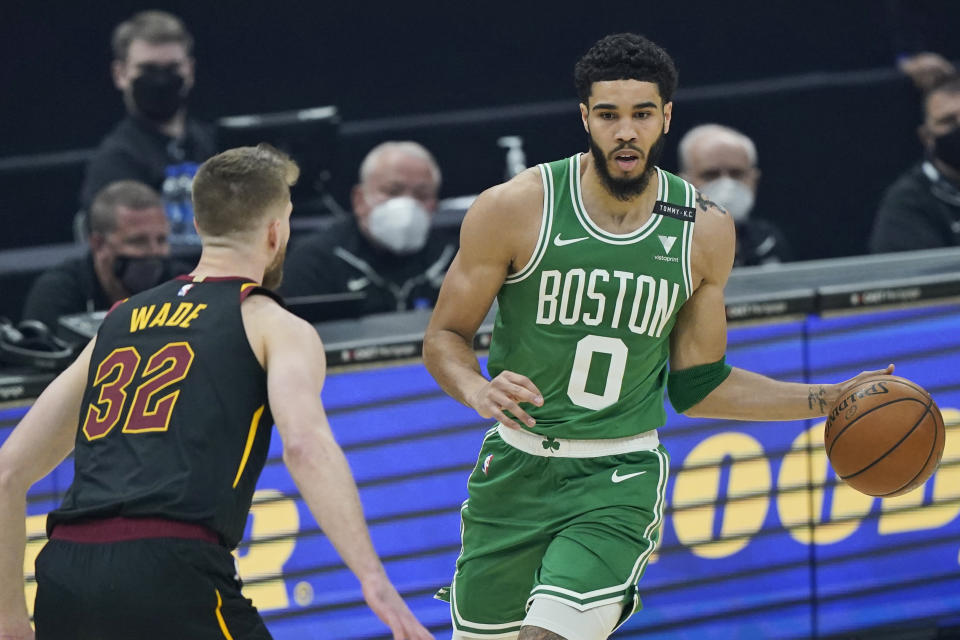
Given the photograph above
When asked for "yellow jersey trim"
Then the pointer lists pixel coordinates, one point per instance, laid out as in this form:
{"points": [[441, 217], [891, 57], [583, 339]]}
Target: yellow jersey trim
{"points": [[220, 620], [246, 449]]}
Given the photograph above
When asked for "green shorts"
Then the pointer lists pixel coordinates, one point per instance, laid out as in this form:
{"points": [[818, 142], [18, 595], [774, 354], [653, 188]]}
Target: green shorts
{"points": [[577, 530]]}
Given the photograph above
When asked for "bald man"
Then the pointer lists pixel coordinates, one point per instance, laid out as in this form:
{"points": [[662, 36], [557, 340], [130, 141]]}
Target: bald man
{"points": [[722, 163], [388, 254]]}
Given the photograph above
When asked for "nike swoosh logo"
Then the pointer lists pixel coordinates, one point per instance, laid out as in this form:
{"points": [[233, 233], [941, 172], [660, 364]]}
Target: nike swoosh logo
{"points": [[558, 241], [618, 478]]}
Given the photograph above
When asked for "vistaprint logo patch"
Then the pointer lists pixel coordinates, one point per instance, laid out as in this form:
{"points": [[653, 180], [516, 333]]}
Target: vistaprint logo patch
{"points": [[667, 242]]}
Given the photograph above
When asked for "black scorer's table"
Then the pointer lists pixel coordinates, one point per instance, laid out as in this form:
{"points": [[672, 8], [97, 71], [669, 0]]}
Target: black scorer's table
{"points": [[757, 294]]}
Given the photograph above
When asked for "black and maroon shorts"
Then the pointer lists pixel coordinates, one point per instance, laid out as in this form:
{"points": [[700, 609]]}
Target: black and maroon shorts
{"points": [[143, 578]]}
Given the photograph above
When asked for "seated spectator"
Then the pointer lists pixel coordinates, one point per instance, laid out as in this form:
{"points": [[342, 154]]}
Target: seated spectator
{"points": [[388, 251], [925, 68], [921, 210], [153, 70], [129, 253], [722, 163]]}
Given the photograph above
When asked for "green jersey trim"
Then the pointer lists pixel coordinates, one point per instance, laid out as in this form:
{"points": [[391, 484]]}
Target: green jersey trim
{"points": [[546, 223], [576, 196]]}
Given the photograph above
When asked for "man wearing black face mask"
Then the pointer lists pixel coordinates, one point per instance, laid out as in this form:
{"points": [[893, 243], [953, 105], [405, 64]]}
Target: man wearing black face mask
{"points": [[129, 253], [153, 69], [921, 210]]}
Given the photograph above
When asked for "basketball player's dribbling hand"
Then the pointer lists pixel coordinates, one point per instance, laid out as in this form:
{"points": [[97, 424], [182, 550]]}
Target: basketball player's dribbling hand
{"points": [[505, 393], [860, 377], [383, 600]]}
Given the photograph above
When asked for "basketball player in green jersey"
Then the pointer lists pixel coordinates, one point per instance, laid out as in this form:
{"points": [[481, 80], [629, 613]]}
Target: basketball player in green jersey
{"points": [[605, 268]]}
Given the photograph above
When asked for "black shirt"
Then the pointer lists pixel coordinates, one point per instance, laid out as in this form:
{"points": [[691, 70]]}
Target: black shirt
{"points": [[71, 287], [137, 150], [342, 260], [175, 421], [921, 210], [760, 242]]}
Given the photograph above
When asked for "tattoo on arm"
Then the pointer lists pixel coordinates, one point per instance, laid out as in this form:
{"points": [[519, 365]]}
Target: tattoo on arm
{"points": [[704, 203], [816, 398]]}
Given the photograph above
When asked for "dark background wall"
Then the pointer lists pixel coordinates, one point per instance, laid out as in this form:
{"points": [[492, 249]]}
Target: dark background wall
{"points": [[825, 152]]}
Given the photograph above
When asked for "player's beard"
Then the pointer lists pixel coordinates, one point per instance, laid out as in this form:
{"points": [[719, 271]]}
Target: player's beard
{"points": [[273, 275], [626, 188]]}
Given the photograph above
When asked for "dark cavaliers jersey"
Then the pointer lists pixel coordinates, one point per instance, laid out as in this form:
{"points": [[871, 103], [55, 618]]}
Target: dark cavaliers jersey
{"points": [[175, 421]]}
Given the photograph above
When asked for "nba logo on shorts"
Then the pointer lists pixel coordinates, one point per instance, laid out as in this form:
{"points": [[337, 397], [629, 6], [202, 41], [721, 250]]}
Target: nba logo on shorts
{"points": [[486, 463]]}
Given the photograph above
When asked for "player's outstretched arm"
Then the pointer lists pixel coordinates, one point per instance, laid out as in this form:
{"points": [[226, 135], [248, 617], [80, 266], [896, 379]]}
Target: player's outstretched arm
{"points": [[44, 437], [296, 368], [699, 341], [496, 233]]}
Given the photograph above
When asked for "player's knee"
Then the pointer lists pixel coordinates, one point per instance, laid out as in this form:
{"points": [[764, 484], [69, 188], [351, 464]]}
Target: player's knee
{"points": [[536, 633], [549, 619]]}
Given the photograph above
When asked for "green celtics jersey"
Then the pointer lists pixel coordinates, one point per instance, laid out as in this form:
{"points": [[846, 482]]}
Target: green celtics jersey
{"points": [[588, 319]]}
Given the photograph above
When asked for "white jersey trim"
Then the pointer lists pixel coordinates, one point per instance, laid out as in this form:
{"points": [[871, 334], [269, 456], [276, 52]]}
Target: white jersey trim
{"points": [[576, 196], [455, 616], [463, 625], [532, 444], [546, 224], [615, 592], [652, 527], [686, 248]]}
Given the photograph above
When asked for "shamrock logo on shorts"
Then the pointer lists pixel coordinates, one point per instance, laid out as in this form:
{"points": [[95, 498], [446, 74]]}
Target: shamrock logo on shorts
{"points": [[551, 443]]}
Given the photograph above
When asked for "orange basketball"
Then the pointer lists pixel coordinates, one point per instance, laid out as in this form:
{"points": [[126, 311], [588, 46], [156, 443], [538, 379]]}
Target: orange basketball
{"points": [[885, 436]]}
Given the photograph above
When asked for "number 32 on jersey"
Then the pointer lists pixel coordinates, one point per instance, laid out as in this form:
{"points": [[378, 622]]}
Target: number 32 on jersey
{"points": [[145, 411]]}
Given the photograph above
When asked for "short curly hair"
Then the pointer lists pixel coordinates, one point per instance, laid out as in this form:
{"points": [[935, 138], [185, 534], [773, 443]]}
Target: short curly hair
{"points": [[625, 56]]}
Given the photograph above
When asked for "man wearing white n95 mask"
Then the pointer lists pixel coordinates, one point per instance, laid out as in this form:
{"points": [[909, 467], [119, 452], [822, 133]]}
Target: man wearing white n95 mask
{"points": [[722, 164], [388, 253]]}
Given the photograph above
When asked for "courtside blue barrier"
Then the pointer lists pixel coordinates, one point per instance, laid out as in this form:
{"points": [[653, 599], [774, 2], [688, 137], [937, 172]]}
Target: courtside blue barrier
{"points": [[759, 539]]}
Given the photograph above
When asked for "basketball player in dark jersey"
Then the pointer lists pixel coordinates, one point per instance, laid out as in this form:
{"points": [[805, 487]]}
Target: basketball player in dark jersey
{"points": [[175, 397]]}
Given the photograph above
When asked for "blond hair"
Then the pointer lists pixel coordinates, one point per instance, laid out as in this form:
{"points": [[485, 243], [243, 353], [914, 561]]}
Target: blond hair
{"points": [[233, 190]]}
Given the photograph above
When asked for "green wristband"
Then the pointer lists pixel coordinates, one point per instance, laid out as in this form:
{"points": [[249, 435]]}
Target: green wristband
{"points": [[687, 387]]}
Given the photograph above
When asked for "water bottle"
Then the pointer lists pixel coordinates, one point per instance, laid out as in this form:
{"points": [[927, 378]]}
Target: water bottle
{"points": [[185, 192], [516, 158], [172, 202]]}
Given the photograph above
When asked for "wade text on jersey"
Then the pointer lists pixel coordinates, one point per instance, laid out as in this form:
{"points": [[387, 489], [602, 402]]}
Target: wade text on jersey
{"points": [[147, 317]]}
